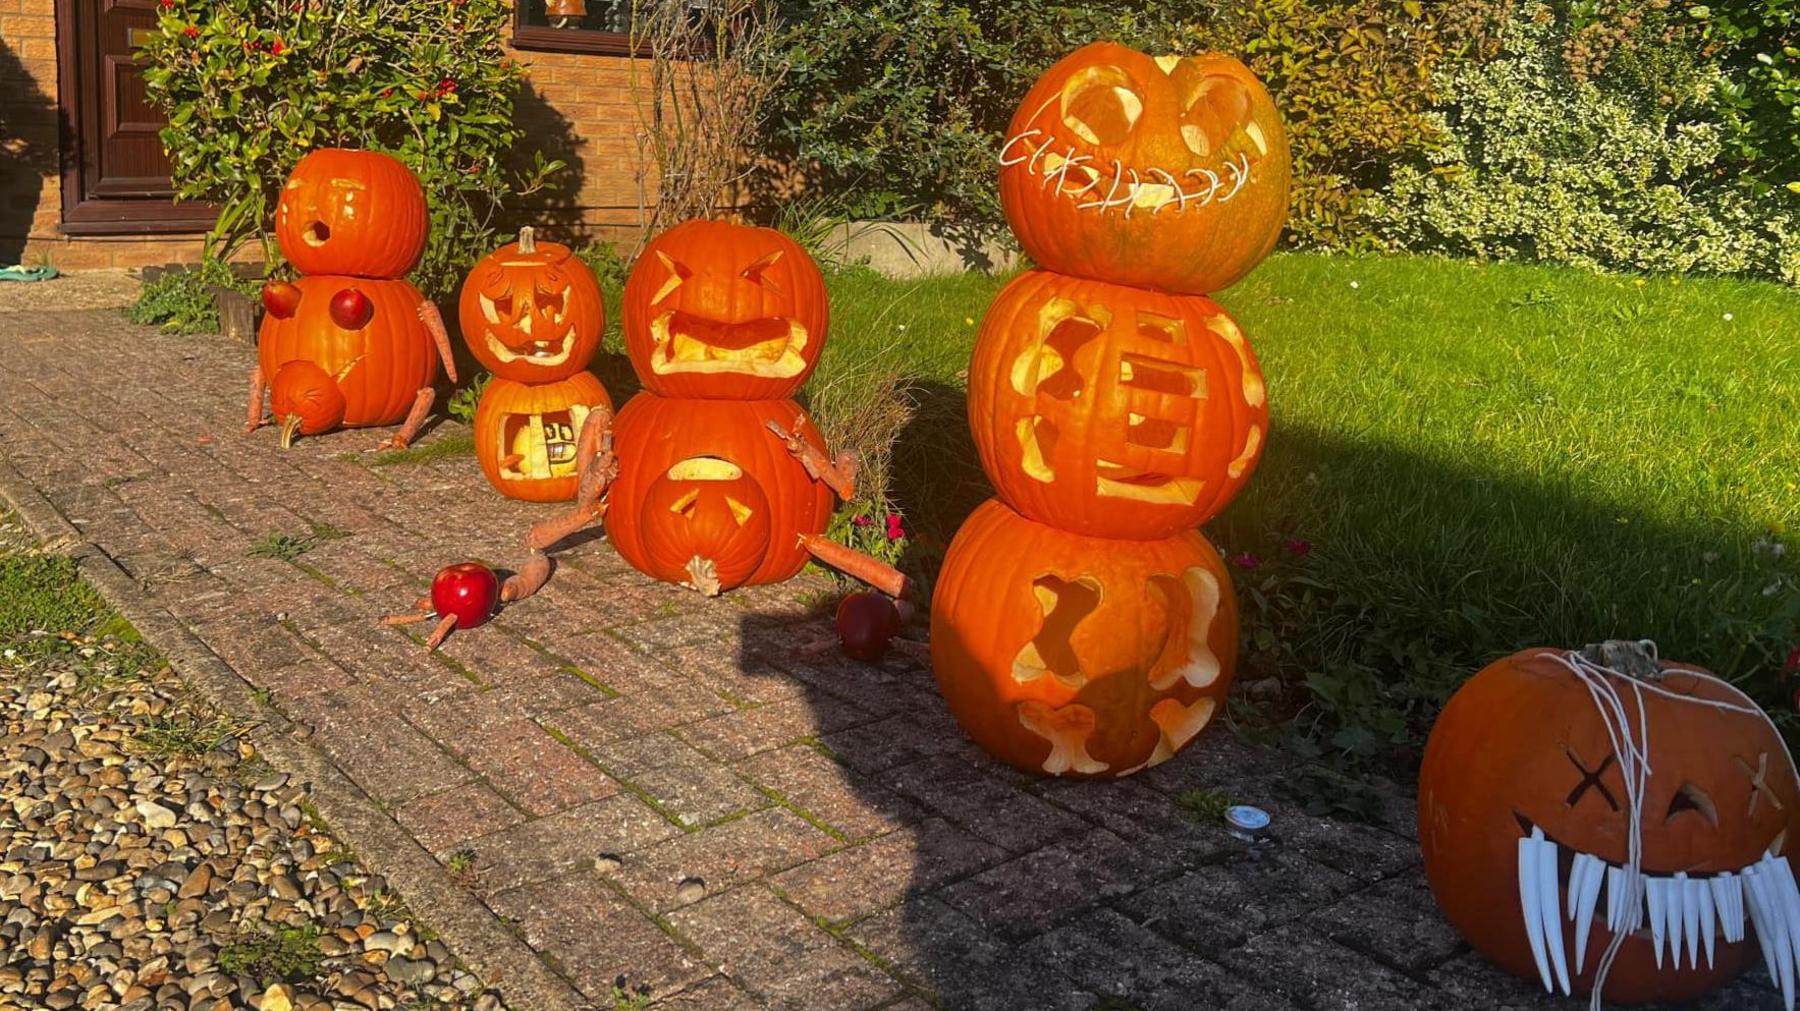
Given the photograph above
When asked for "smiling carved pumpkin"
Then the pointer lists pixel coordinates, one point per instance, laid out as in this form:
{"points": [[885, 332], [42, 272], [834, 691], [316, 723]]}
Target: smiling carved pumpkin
{"points": [[359, 213], [1163, 172], [1523, 811], [717, 310], [532, 312]]}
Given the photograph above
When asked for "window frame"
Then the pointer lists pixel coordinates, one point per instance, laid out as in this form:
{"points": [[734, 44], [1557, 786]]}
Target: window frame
{"points": [[544, 38]]}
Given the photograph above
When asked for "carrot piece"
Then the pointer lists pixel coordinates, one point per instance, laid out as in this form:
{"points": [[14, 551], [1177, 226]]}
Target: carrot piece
{"points": [[855, 564]]}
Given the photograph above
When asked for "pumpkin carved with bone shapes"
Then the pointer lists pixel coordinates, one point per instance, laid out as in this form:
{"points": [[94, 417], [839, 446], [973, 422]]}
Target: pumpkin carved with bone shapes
{"points": [[1114, 411], [1076, 656], [1165, 172], [1525, 827], [531, 312]]}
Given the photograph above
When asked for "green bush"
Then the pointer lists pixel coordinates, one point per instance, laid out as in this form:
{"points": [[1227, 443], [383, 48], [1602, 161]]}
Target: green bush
{"points": [[183, 301], [250, 86], [1759, 47], [1541, 162]]}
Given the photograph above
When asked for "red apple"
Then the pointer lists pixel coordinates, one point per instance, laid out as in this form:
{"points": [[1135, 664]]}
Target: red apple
{"points": [[351, 309], [468, 590], [866, 623], [281, 299]]}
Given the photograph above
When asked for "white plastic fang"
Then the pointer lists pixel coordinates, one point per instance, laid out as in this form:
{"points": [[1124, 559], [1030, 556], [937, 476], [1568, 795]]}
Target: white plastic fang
{"points": [[1765, 935], [1615, 893], [1593, 873], [1700, 897], [1653, 896], [1528, 903], [1727, 897], [1690, 916], [1547, 908]]}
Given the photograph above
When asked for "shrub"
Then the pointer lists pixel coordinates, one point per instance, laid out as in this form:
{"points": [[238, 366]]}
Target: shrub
{"points": [[1541, 162], [183, 302], [1759, 46], [250, 86]]}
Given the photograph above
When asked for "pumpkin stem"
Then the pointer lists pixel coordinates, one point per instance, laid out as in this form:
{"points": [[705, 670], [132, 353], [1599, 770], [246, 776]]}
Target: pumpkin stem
{"points": [[289, 426], [1633, 659], [527, 240]]}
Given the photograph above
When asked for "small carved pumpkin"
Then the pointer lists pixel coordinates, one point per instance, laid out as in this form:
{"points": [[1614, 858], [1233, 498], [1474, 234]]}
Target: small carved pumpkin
{"points": [[532, 312], [378, 367], [1163, 172], [1114, 411], [653, 434], [1523, 807], [526, 434], [1075, 656], [704, 522], [360, 213], [305, 400], [725, 311]]}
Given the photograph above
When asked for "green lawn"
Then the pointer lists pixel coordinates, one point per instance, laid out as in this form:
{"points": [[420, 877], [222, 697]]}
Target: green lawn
{"points": [[1480, 457]]}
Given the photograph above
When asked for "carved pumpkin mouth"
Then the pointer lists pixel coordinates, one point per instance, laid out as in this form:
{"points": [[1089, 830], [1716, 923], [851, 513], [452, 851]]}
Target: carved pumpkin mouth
{"points": [[316, 234], [771, 347], [535, 447], [547, 352], [1682, 911]]}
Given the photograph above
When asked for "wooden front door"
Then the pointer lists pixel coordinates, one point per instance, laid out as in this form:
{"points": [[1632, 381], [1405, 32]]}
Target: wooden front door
{"points": [[115, 175]]}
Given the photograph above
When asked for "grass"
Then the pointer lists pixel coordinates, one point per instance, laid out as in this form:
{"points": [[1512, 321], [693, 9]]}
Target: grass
{"points": [[453, 444], [280, 954], [287, 547], [1464, 459]]}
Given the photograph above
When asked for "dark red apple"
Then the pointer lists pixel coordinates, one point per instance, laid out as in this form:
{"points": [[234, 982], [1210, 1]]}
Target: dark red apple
{"points": [[351, 309], [281, 299], [866, 623], [468, 590]]}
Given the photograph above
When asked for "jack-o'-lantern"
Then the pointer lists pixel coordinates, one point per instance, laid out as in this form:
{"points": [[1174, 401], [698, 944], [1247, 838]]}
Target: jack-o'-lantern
{"points": [[653, 434], [1114, 411], [306, 400], [360, 213], [1527, 797], [531, 311], [1076, 656], [704, 523], [378, 367], [725, 311], [526, 434], [1163, 172]]}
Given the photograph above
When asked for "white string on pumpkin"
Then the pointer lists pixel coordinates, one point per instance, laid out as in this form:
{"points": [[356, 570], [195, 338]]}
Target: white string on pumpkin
{"points": [[1633, 753]]}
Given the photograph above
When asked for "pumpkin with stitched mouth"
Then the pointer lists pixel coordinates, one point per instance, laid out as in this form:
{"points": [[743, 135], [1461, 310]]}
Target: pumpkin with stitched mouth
{"points": [[1167, 172], [1525, 823], [359, 213], [1113, 411], [526, 434], [531, 311], [717, 310]]}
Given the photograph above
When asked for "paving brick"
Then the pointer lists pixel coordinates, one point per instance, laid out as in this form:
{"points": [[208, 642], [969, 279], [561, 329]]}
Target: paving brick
{"points": [[1395, 922], [849, 801], [543, 848], [744, 732], [1106, 953], [720, 858], [697, 791], [899, 866], [442, 822], [1320, 974], [386, 757], [1218, 906], [1036, 892], [962, 964], [989, 808]]}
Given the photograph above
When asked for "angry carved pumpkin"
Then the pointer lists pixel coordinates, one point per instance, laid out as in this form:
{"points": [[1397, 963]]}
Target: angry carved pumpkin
{"points": [[1114, 411], [1071, 655], [360, 213], [668, 447], [526, 434], [377, 367], [1165, 172], [1525, 822], [532, 312], [717, 310]]}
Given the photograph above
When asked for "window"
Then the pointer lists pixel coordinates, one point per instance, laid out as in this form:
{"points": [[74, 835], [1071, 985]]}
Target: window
{"points": [[578, 26]]}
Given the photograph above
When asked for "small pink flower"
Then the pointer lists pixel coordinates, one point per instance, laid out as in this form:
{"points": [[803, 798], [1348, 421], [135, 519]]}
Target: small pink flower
{"points": [[1245, 560], [861, 521], [1299, 548], [165, 4], [1792, 666], [191, 32]]}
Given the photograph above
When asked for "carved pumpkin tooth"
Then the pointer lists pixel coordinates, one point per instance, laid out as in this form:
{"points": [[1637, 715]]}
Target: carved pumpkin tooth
{"points": [[1529, 900], [1726, 893], [1656, 899], [1675, 912], [1548, 910], [1765, 933], [1700, 899]]}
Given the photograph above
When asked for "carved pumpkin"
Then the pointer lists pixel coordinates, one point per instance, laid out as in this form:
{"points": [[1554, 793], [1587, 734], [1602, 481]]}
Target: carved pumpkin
{"points": [[1114, 411], [653, 434], [378, 368], [1071, 655], [1522, 782], [724, 311], [532, 312], [1159, 172], [526, 434], [305, 400], [360, 213], [704, 522]]}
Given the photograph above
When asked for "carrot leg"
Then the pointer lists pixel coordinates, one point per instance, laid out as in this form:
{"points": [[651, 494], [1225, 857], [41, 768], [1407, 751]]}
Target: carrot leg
{"points": [[530, 578], [434, 322], [257, 386], [839, 475], [441, 632], [596, 469], [853, 563], [421, 409]]}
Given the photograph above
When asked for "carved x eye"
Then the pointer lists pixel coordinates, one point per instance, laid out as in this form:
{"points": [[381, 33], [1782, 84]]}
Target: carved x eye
{"points": [[1590, 780]]}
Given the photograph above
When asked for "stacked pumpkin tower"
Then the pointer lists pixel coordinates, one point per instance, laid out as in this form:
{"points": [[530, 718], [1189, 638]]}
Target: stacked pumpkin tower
{"points": [[1081, 624]]}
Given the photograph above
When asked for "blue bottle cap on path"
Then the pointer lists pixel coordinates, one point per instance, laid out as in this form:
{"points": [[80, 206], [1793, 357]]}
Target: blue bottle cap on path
{"points": [[1246, 818]]}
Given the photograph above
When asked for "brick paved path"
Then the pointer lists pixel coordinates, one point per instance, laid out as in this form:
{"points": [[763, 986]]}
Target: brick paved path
{"points": [[648, 783]]}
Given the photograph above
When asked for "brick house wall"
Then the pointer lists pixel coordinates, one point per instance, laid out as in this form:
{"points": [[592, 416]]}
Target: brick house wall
{"points": [[578, 106]]}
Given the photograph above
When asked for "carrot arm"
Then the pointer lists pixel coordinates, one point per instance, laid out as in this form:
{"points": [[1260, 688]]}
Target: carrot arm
{"points": [[853, 563]]}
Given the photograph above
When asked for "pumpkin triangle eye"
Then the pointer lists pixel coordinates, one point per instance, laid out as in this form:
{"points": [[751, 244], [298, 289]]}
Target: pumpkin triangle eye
{"points": [[678, 274], [754, 272]]}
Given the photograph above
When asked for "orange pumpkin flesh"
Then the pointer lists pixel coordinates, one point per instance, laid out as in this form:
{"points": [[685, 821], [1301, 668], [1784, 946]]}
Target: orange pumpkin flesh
{"points": [[1071, 655], [652, 434], [716, 310], [1114, 411], [1521, 745], [1156, 172], [359, 213], [379, 367], [532, 312], [526, 435]]}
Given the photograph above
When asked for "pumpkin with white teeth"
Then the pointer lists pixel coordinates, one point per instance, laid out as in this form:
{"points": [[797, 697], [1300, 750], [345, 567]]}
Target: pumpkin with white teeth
{"points": [[1165, 172], [532, 312], [1525, 823], [724, 311]]}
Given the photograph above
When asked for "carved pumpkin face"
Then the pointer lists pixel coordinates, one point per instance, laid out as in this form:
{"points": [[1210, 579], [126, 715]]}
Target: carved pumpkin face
{"points": [[724, 311], [526, 434], [305, 400], [1113, 411], [1521, 763], [1069, 655], [532, 312], [663, 446], [1159, 172], [378, 367], [360, 213]]}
